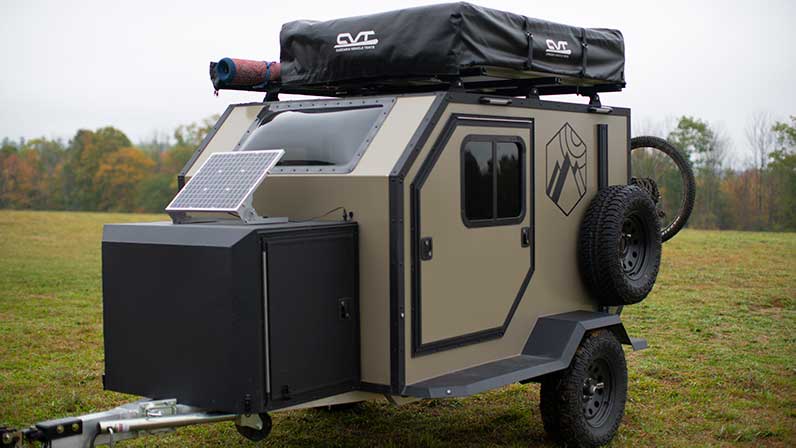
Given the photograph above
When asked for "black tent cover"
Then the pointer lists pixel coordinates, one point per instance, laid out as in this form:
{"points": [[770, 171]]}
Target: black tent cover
{"points": [[446, 40]]}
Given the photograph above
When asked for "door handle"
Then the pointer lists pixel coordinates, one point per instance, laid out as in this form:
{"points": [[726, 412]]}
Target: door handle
{"points": [[525, 237], [426, 248]]}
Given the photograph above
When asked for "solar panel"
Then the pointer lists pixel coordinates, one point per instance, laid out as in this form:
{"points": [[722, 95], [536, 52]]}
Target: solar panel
{"points": [[225, 181]]}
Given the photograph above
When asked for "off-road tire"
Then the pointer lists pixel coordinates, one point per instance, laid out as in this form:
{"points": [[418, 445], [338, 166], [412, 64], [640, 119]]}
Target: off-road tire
{"points": [[564, 393], [619, 246], [650, 186], [686, 173]]}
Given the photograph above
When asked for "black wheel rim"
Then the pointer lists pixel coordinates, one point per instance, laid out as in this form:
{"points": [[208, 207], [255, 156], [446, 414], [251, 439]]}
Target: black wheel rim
{"points": [[633, 246], [597, 393]]}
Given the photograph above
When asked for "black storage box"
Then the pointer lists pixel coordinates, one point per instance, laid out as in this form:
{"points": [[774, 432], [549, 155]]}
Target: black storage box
{"points": [[445, 40], [231, 317]]}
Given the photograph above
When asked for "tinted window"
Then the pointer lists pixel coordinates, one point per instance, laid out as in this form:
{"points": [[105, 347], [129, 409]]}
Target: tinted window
{"points": [[478, 181], [315, 137], [492, 184], [509, 197]]}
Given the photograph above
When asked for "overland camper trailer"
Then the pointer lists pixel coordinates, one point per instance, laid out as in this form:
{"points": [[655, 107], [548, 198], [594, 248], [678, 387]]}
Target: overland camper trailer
{"points": [[424, 223]]}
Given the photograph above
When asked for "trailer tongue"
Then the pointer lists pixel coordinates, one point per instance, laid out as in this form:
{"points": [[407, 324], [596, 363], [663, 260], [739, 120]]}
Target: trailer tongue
{"points": [[140, 418]]}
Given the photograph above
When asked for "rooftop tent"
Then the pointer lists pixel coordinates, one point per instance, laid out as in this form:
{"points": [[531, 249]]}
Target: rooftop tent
{"points": [[446, 40]]}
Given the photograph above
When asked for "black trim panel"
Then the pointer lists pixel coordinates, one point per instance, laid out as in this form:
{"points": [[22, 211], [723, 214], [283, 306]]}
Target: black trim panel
{"points": [[456, 120], [602, 156], [629, 167], [397, 277]]}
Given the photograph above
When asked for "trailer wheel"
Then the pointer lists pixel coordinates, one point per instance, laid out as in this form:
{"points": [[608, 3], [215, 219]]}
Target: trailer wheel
{"points": [[583, 405], [619, 250], [254, 434]]}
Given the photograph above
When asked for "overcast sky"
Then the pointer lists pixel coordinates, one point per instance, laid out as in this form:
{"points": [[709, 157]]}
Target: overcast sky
{"points": [[141, 66]]}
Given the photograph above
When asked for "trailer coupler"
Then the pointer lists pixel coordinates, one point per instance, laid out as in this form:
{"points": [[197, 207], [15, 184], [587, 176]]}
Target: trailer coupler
{"points": [[131, 420]]}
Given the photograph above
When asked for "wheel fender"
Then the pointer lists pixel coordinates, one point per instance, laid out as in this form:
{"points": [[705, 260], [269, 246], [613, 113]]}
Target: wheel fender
{"points": [[621, 334], [559, 335]]}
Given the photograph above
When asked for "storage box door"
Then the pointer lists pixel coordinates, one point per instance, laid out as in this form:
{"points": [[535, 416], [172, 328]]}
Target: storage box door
{"points": [[313, 331], [473, 232]]}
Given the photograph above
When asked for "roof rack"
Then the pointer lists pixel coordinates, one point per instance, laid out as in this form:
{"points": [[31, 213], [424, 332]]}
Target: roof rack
{"points": [[475, 80]]}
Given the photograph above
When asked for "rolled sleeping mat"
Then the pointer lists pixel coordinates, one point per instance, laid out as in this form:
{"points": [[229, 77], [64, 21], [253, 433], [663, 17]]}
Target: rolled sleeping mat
{"points": [[244, 74]]}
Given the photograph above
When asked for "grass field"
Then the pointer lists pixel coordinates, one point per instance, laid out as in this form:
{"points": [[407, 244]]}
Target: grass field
{"points": [[720, 370]]}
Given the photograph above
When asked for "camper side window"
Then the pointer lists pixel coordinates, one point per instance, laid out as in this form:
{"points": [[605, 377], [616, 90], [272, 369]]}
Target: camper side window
{"points": [[492, 180]]}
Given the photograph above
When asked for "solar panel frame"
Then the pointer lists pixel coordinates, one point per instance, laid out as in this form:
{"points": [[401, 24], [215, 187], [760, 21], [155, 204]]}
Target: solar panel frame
{"points": [[203, 175]]}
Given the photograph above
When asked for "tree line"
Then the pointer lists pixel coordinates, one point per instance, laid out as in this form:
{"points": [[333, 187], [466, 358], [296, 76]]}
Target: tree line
{"points": [[102, 170], [759, 193]]}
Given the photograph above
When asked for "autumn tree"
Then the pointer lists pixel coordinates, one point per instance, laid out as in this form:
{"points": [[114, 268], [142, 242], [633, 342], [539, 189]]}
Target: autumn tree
{"points": [[155, 192], [760, 137], [692, 136], [20, 188], [782, 166], [84, 175], [117, 178], [192, 134], [7, 149], [50, 155], [786, 134], [84, 154], [706, 148], [187, 139]]}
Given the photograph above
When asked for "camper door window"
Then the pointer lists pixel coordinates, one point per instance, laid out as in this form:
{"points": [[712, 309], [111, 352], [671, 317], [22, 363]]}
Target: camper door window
{"points": [[493, 174], [319, 138]]}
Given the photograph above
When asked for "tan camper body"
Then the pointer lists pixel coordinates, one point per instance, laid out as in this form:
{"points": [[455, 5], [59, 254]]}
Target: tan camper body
{"points": [[440, 293]]}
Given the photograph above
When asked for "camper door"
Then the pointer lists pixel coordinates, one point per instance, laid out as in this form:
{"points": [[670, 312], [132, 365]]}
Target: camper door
{"points": [[472, 217]]}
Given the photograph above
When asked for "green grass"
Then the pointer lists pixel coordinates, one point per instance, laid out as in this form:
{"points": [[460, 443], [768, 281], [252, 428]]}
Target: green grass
{"points": [[720, 370]]}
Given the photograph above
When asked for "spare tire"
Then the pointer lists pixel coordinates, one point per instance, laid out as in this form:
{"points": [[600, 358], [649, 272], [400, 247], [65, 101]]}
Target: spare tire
{"points": [[619, 250]]}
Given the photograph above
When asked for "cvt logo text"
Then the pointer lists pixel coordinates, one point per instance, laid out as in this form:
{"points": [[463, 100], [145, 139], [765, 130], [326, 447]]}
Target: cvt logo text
{"points": [[364, 40], [558, 49]]}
